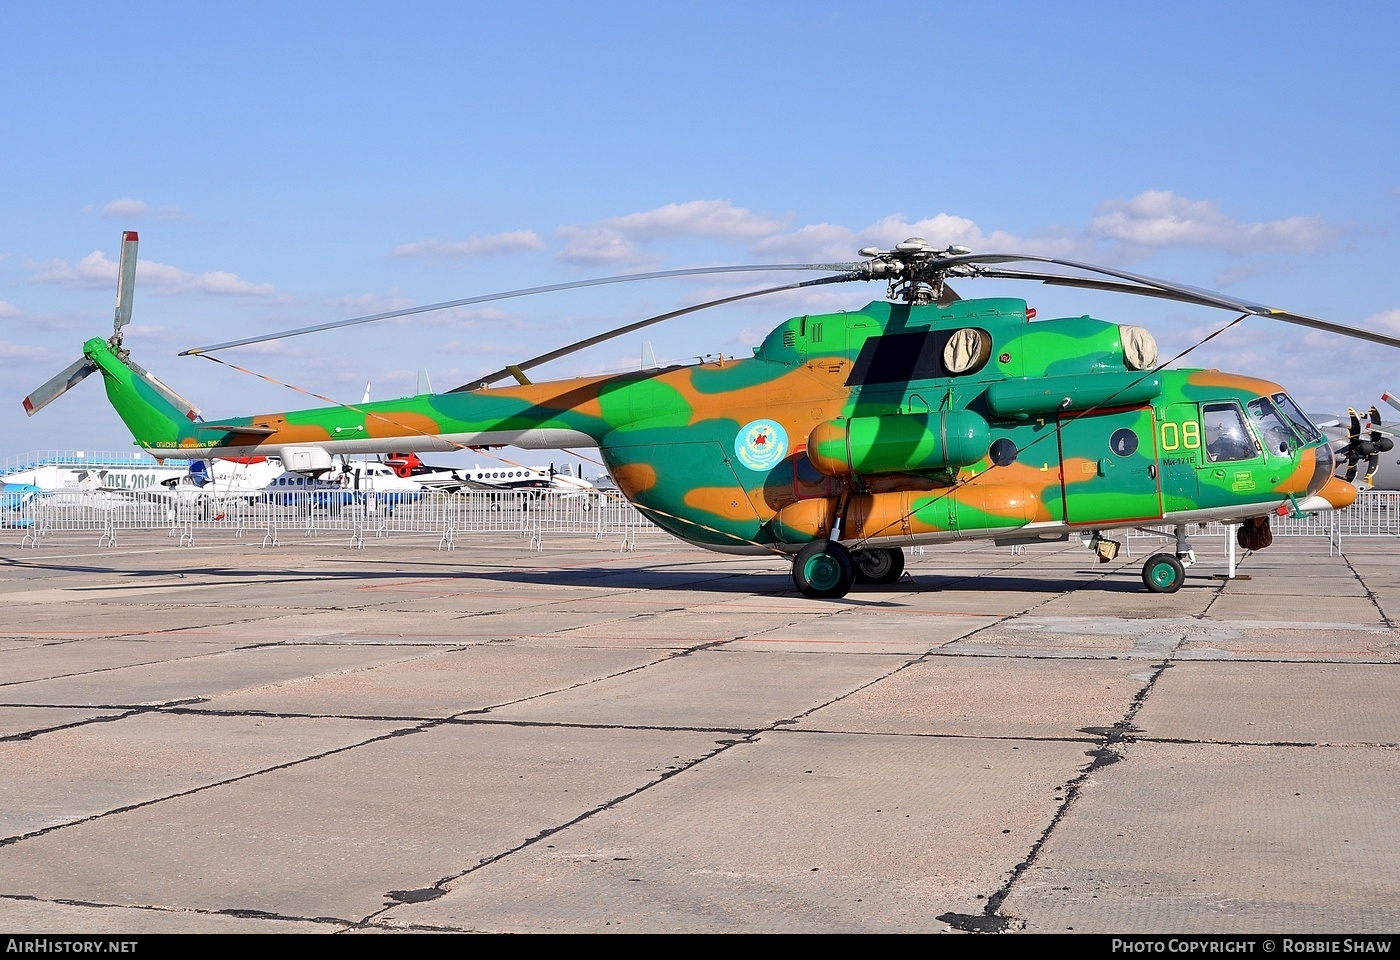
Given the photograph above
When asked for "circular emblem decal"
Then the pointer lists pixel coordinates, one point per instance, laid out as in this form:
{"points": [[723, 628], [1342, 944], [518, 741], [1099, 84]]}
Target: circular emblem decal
{"points": [[761, 444]]}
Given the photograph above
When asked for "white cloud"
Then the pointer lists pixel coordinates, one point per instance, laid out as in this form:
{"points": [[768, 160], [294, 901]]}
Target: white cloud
{"points": [[816, 241], [18, 351], [1119, 230], [600, 246], [493, 318], [370, 303], [8, 310], [825, 242], [96, 271], [617, 241], [1387, 321], [128, 208], [478, 348], [717, 219], [1160, 218], [515, 241]]}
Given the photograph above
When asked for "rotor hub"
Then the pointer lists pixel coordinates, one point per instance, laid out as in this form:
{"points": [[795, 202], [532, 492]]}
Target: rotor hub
{"points": [[914, 268]]}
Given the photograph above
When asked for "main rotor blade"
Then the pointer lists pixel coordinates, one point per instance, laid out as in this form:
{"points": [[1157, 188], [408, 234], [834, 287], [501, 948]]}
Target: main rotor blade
{"points": [[56, 386], [510, 371], [528, 291], [1060, 280], [1148, 286]]}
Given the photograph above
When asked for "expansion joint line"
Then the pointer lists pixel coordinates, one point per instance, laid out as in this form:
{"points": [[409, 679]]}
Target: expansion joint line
{"points": [[1104, 755]]}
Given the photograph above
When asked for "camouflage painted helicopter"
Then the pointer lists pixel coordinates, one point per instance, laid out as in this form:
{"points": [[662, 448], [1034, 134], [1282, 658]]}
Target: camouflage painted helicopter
{"points": [[924, 418]]}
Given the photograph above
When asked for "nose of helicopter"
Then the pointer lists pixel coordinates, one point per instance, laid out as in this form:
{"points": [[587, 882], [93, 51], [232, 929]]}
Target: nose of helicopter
{"points": [[1336, 494]]}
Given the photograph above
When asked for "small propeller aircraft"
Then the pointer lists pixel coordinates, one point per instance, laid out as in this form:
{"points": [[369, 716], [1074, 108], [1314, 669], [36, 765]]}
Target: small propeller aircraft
{"points": [[1356, 443], [923, 418]]}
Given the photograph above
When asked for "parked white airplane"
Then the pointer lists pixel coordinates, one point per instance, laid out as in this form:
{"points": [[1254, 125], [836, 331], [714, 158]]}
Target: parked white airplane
{"points": [[509, 477]]}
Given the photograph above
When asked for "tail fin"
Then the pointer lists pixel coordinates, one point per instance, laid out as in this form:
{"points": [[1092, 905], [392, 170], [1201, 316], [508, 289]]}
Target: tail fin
{"points": [[156, 415]]}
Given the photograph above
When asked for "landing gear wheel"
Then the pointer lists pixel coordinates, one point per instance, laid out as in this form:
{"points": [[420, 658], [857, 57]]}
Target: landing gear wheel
{"points": [[879, 565], [1163, 573], [823, 570]]}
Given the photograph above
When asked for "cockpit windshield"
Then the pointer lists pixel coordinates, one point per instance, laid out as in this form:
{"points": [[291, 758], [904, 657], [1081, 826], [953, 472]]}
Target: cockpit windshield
{"points": [[1297, 417], [1277, 437]]}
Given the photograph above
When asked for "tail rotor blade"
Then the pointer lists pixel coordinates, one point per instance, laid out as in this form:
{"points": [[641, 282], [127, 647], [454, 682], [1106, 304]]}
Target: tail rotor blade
{"points": [[126, 282], [56, 386]]}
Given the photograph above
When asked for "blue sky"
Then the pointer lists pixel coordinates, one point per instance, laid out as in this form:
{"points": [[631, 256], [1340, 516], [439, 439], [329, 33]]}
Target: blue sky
{"points": [[290, 164]]}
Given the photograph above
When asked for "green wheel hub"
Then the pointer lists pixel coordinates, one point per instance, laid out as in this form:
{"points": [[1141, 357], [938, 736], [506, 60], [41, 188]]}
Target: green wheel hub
{"points": [[822, 571], [1163, 573]]}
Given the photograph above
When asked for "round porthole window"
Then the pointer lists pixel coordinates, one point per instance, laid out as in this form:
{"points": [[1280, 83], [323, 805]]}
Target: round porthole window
{"points": [[1003, 452]]}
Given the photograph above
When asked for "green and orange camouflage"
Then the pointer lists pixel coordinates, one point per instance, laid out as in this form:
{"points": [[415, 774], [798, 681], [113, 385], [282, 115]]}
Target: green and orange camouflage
{"points": [[892, 425]]}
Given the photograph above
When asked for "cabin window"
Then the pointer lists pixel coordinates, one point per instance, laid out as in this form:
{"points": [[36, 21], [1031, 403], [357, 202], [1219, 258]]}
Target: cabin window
{"points": [[1227, 437], [900, 357]]}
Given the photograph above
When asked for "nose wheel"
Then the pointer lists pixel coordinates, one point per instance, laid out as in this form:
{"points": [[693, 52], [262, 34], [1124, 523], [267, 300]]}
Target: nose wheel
{"points": [[823, 570], [1163, 573]]}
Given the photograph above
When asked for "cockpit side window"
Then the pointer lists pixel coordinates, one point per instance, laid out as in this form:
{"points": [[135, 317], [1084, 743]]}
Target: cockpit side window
{"points": [[1227, 437], [1297, 417], [1278, 439]]}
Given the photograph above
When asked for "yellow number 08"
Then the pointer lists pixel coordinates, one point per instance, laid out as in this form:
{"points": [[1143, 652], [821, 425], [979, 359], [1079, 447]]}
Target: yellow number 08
{"points": [[1176, 436]]}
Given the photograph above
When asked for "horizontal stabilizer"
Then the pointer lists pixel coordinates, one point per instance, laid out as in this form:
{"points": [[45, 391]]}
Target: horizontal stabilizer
{"points": [[59, 385]]}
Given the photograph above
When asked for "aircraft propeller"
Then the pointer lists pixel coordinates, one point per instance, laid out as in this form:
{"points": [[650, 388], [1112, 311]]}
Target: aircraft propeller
{"points": [[1356, 447]]}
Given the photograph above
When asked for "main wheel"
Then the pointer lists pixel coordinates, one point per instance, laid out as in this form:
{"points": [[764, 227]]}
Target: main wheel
{"points": [[823, 570], [1163, 573], [878, 565]]}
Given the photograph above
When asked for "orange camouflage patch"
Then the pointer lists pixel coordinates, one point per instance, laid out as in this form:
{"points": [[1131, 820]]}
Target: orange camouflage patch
{"points": [[1035, 483], [1298, 480], [1233, 381], [805, 520], [730, 503], [295, 433], [796, 399], [634, 478], [400, 423]]}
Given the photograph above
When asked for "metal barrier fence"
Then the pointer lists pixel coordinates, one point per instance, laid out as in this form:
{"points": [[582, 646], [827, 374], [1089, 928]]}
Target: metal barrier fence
{"points": [[532, 515]]}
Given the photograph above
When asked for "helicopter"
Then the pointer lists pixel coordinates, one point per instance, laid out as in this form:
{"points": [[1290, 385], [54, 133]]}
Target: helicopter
{"points": [[847, 436]]}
